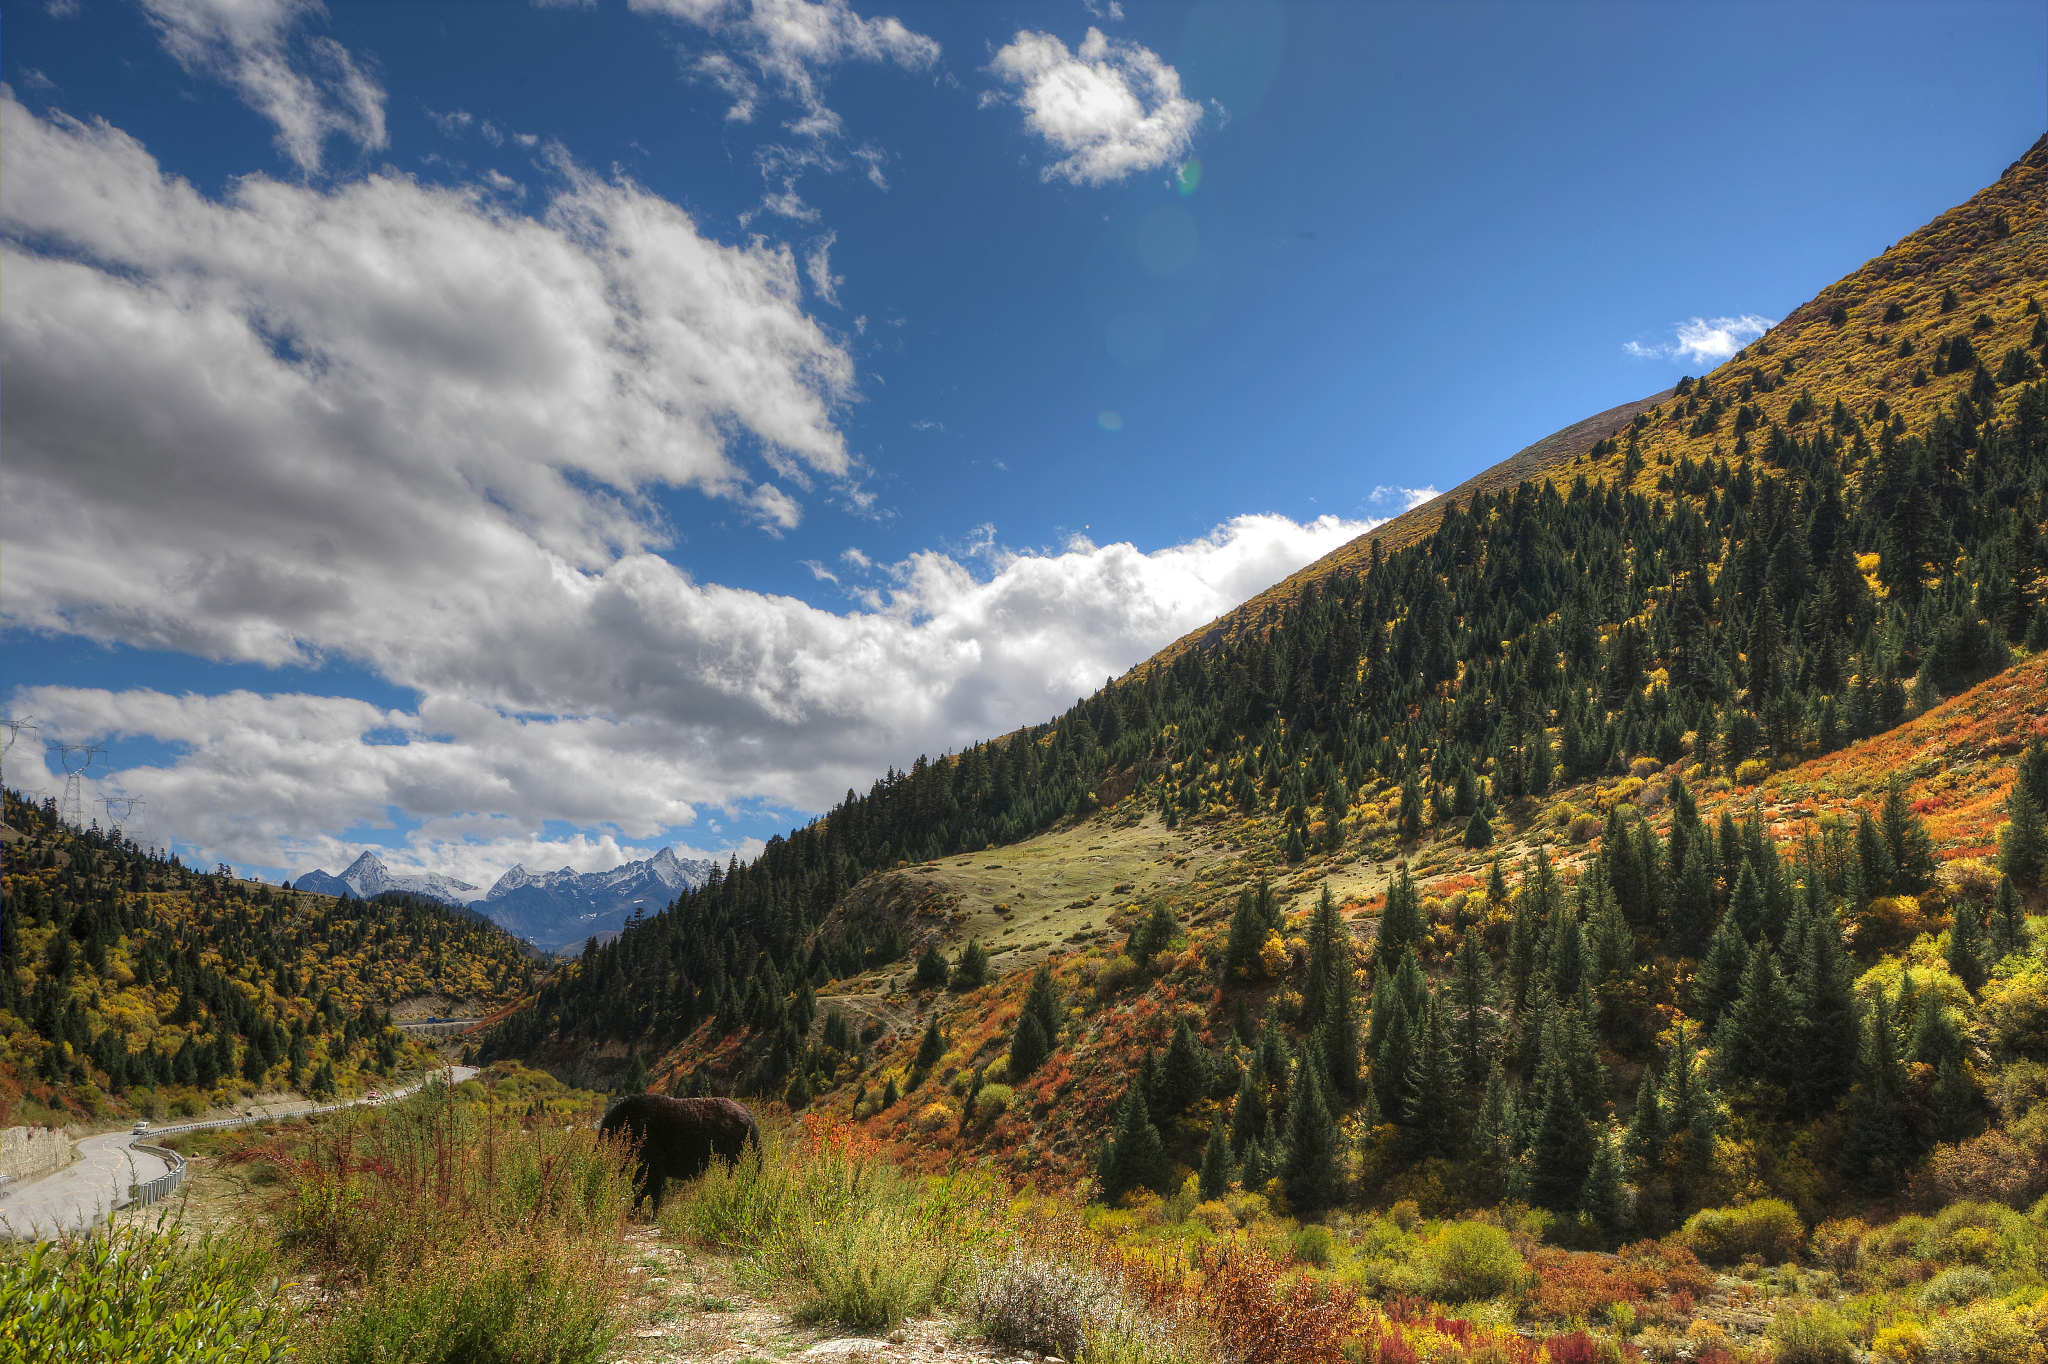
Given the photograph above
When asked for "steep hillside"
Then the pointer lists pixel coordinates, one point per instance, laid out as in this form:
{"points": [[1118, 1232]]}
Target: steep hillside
{"points": [[1876, 342], [130, 983], [1547, 849]]}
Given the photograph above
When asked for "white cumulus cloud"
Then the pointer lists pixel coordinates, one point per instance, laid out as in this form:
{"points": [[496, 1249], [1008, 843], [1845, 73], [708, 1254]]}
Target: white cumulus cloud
{"points": [[1108, 110], [1704, 340], [417, 430], [309, 86]]}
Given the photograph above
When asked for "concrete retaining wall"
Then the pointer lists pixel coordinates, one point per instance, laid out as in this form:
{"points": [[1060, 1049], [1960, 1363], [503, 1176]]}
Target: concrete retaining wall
{"points": [[31, 1152]]}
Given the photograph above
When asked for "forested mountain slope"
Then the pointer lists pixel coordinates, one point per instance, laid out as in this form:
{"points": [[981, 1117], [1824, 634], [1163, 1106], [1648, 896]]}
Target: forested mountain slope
{"points": [[130, 983], [1612, 913]]}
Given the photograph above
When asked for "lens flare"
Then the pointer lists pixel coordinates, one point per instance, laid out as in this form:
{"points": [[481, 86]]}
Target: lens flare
{"points": [[1110, 421], [1190, 177]]}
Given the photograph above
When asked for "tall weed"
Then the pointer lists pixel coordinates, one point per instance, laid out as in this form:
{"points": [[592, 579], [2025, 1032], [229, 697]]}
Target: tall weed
{"points": [[140, 1294]]}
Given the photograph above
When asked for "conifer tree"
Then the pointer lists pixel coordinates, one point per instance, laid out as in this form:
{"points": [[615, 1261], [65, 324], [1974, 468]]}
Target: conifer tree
{"points": [[1247, 1113], [1746, 904], [1754, 1042], [2022, 844], [1877, 1140], [890, 1094], [1042, 1002], [1155, 932], [1906, 839], [971, 971], [1393, 1069], [1214, 1176], [1478, 832], [1473, 994], [1401, 921], [1523, 948], [1600, 1200], [1135, 1157], [1410, 817], [1434, 1121], [1183, 1072], [1247, 935], [1718, 982], [1643, 1140], [1255, 1165], [932, 1047], [1329, 996], [2008, 922], [1689, 1105], [1827, 1031], [1493, 1133], [1309, 1173], [1028, 1047], [1966, 945], [798, 1095], [1561, 1145], [931, 969]]}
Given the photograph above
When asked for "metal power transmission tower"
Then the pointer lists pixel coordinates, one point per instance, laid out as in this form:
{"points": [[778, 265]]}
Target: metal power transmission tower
{"points": [[120, 812], [75, 758], [14, 729]]}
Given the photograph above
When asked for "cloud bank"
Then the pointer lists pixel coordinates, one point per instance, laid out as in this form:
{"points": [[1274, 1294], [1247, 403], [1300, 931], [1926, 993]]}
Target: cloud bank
{"points": [[406, 427], [1109, 110]]}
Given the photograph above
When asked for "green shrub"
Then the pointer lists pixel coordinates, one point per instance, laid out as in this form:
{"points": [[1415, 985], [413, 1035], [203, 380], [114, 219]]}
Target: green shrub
{"points": [[1956, 1287], [1819, 1336], [993, 1101], [145, 1294], [1472, 1260], [1031, 1302], [1985, 1333], [1767, 1228], [1312, 1245]]}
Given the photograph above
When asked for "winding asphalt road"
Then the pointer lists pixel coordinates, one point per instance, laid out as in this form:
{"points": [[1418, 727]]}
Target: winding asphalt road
{"points": [[96, 1183]]}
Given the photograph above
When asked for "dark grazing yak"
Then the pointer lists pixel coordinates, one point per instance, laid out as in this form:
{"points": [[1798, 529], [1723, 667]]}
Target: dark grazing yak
{"points": [[676, 1138]]}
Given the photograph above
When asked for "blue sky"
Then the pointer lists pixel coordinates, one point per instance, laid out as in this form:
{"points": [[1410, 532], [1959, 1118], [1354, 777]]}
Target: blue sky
{"points": [[494, 433]]}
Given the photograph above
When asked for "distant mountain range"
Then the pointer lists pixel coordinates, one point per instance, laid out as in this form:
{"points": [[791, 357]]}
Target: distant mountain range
{"points": [[550, 908]]}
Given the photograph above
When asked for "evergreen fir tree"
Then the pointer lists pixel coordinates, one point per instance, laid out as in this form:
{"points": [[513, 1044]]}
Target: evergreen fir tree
{"points": [[1247, 935], [1183, 1072], [1247, 1114], [1028, 1047], [931, 969], [1493, 1133], [1966, 945], [1329, 997], [1906, 839], [1600, 1200], [1255, 1165], [2008, 922], [1135, 1157], [1478, 832], [1042, 1002], [971, 971], [1309, 1173], [1433, 1123], [1393, 1069], [1474, 994], [1561, 1145], [1877, 1140], [1754, 1045], [798, 1095], [1214, 1176], [932, 1047], [890, 1094], [1155, 932], [1643, 1141], [1401, 921], [1827, 1030], [1746, 904], [2022, 844], [1718, 982], [1411, 816]]}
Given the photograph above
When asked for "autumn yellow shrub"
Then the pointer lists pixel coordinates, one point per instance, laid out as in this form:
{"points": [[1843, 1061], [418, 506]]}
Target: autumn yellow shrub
{"points": [[1903, 1341], [1752, 772]]}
